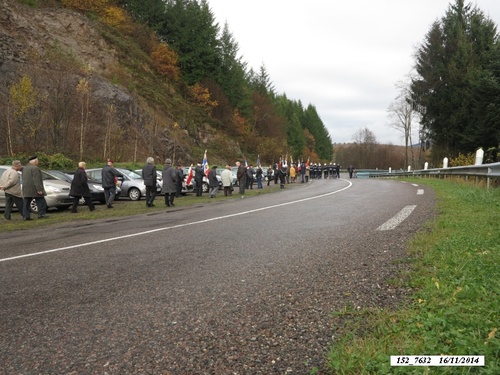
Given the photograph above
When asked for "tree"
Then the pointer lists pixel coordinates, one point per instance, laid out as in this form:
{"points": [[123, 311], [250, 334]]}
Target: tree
{"points": [[365, 145], [25, 100], [448, 64], [402, 116], [190, 29]]}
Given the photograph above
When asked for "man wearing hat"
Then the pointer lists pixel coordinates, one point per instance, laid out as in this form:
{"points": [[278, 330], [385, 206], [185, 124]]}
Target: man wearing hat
{"points": [[109, 180], [33, 189]]}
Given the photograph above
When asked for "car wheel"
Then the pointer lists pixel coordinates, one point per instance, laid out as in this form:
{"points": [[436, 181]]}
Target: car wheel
{"points": [[204, 187], [33, 206], [134, 194]]}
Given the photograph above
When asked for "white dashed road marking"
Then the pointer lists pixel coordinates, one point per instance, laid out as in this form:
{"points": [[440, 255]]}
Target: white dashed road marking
{"points": [[397, 219], [420, 192]]}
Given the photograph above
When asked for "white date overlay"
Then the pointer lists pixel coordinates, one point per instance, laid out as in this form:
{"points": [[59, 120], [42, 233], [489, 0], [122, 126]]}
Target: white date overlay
{"points": [[437, 360]]}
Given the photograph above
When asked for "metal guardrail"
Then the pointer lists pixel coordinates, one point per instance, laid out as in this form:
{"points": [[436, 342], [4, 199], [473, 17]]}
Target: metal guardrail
{"points": [[483, 171]]}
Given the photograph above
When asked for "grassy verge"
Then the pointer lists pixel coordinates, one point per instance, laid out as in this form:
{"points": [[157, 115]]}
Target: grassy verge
{"points": [[124, 207], [455, 308]]}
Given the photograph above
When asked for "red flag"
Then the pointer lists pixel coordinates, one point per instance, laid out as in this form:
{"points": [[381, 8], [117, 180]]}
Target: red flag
{"points": [[190, 175]]}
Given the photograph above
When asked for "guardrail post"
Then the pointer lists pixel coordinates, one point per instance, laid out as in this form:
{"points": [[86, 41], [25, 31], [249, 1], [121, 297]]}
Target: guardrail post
{"points": [[445, 163], [479, 156]]}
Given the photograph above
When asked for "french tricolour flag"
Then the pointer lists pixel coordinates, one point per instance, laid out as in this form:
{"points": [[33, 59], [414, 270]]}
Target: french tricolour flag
{"points": [[205, 164]]}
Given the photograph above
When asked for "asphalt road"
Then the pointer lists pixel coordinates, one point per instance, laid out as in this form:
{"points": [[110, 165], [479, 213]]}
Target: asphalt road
{"points": [[243, 286]]}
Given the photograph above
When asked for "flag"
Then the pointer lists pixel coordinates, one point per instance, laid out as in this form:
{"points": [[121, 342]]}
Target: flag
{"points": [[307, 162], [245, 161], [258, 161], [190, 175], [205, 164]]}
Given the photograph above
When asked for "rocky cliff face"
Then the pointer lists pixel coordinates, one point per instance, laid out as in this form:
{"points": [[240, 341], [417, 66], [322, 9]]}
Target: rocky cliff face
{"points": [[24, 30], [27, 35]]}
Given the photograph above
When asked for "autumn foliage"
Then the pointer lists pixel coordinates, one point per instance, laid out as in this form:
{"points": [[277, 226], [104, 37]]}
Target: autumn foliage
{"points": [[165, 61]]}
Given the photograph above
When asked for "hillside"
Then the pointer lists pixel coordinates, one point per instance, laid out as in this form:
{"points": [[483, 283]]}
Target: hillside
{"points": [[93, 94]]}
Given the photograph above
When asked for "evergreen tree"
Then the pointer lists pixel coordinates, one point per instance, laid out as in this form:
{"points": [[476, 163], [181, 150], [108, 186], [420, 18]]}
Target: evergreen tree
{"points": [[190, 29], [314, 124], [233, 79], [149, 12], [449, 64]]}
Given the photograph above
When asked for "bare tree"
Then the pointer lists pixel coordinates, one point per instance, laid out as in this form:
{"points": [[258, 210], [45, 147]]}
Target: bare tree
{"points": [[365, 144], [402, 116]]}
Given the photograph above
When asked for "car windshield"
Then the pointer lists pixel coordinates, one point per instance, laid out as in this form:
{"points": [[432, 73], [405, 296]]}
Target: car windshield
{"points": [[130, 174], [47, 176]]}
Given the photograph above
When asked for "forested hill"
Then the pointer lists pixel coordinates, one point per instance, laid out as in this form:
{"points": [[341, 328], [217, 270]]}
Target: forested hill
{"points": [[127, 79]]}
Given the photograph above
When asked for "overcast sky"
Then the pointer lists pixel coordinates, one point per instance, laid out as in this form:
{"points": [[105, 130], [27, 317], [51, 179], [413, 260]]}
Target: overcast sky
{"points": [[344, 57]]}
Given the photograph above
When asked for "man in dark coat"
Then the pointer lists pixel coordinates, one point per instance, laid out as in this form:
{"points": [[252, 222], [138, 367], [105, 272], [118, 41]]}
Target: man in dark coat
{"points": [[180, 180], [169, 177], [109, 180], [33, 189], [241, 176], [150, 177], [198, 180], [80, 188], [213, 182]]}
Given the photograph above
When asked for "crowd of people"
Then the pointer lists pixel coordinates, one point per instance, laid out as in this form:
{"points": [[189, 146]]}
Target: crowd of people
{"points": [[172, 179]]}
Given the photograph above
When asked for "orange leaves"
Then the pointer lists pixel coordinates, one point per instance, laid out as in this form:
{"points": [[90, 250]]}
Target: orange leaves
{"points": [[165, 61], [202, 97]]}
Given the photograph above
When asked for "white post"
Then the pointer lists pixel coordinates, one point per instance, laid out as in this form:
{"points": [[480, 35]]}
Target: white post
{"points": [[409, 168], [479, 156], [390, 169], [426, 165], [445, 163]]}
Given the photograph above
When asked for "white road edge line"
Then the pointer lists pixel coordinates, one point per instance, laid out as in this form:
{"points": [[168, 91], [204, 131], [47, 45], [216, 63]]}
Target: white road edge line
{"points": [[397, 219], [173, 226]]}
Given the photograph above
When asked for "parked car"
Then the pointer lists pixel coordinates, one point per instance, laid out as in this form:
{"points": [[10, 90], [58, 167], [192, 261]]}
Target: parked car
{"points": [[219, 172], [57, 192], [96, 189], [159, 179], [205, 187], [132, 185]]}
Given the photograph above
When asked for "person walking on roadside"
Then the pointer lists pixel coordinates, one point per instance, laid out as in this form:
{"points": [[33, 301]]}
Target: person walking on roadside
{"points": [[213, 183], [250, 179], [227, 181], [241, 176], [258, 177], [198, 180], [269, 174], [80, 188], [180, 180], [10, 183], [350, 169], [109, 180], [169, 177], [33, 188], [150, 177]]}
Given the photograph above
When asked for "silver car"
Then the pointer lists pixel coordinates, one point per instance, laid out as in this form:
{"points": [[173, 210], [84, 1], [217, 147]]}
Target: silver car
{"points": [[132, 185], [57, 192]]}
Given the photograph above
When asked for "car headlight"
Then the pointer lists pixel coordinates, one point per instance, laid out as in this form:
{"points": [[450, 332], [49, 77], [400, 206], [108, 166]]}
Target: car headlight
{"points": [[53, 188]]}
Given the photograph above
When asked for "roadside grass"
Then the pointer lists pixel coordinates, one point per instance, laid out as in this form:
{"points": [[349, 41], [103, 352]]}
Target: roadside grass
{"points": [[456, 302], [124, 207]]}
